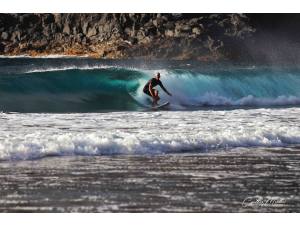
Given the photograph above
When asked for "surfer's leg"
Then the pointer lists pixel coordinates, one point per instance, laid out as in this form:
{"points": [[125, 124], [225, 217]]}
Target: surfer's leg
{"points": [[156, 96]]}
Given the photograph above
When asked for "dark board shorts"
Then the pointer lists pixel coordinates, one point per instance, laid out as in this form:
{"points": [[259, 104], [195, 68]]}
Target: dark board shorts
{"points": [[147, 92]]}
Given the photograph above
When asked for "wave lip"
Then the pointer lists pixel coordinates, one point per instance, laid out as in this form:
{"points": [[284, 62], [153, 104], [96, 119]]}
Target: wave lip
{"points": [[66, 68]]}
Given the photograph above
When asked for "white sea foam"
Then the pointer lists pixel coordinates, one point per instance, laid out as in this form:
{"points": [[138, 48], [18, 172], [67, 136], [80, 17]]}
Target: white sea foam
{"points": [[30, 136], [213, 99], [77, 67], [62, 68]]}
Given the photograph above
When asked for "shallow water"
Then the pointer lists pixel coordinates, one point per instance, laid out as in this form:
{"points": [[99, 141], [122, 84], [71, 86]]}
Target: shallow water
{"points": [[230, 181]]}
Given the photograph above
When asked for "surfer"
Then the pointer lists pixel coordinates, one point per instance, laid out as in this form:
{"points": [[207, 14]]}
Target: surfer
{"points": [[149, 88]]}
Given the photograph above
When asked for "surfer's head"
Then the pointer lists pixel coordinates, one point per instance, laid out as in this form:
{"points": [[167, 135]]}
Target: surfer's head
{"points": [[158, 76]]}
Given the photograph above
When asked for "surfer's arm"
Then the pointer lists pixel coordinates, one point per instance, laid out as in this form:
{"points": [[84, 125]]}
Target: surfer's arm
{"points": [[165, 90]]}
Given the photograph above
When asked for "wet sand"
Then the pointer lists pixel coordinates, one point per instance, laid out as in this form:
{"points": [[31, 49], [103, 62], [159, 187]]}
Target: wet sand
{"points": [[240, 180]]}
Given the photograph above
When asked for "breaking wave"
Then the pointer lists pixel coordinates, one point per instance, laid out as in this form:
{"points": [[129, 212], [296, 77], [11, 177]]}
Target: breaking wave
{"points": [[114, 88], [33, 136]]}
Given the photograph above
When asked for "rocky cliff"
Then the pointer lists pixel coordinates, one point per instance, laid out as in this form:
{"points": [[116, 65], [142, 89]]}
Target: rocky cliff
{"points": [[151, 36]]}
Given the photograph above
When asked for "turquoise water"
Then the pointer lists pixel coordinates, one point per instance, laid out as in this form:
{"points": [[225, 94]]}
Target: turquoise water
{"points": [[82, 85]]}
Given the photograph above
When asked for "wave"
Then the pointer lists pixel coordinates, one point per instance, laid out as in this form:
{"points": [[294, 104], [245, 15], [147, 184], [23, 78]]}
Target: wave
{"points": [[33, 136], [91, 88], [94, 144]]}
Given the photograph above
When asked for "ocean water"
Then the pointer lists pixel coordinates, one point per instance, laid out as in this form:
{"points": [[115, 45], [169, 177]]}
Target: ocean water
{"points": [[230, 130], [86, 85]]}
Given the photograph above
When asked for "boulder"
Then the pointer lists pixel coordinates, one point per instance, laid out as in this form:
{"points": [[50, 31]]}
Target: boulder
{"points": [[127, 31], [140, 35], [145, 40], [16, 36], [196, 30], [47, 32], [84, 41], [115, 33], [58, 20], [85, 27], [4, 36], [194, 21], [91, 32], [107, 28], [67, 29], [79, 38], [169, 33], [185, 28], [178, 33], [148, 24], [169, 25], [74, 31]]}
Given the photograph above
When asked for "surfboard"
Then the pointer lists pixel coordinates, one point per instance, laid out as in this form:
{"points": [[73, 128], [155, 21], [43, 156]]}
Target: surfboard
{"points": [[161, 105], [148, 105]]}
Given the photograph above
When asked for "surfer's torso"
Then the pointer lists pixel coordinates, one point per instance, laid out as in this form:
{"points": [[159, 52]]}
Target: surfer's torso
{"points": [[154, 82]]}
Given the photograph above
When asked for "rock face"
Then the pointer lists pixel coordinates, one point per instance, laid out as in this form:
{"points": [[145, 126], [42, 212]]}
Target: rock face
{"points": [[152, 36]]}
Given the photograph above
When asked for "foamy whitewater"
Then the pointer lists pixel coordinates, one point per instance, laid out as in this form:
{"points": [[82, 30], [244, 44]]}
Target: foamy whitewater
{"points": [[31, 136]]}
